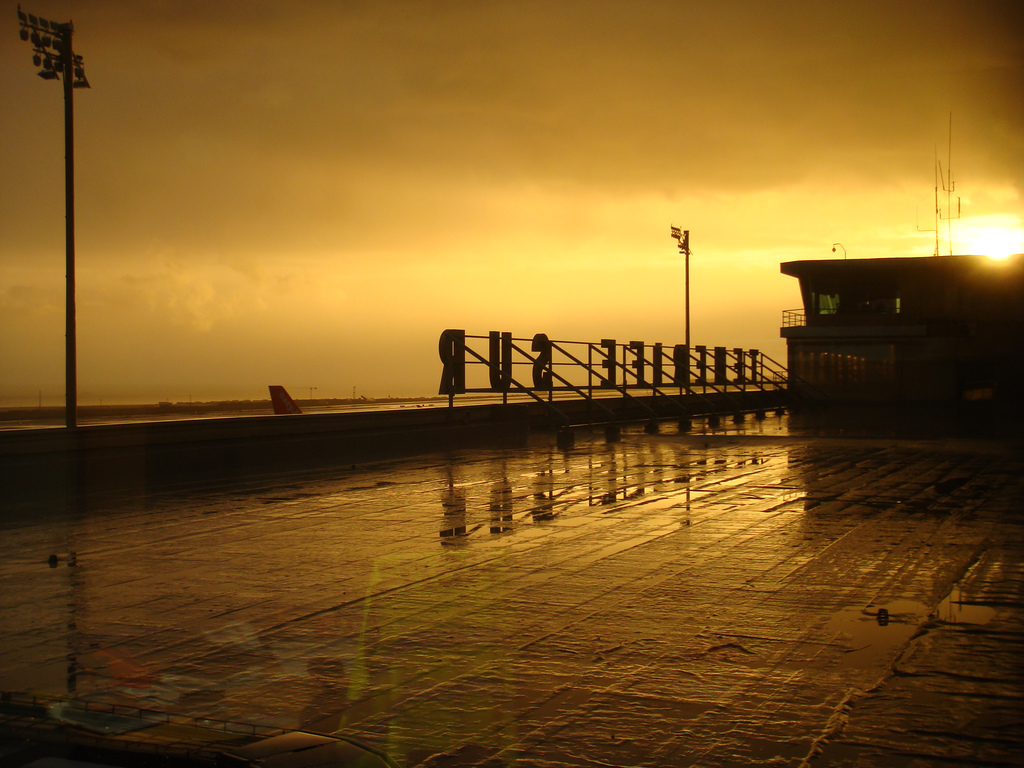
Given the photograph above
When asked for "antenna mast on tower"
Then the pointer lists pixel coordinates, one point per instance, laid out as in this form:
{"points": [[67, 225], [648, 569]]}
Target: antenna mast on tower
{"points": [[948, 186]]}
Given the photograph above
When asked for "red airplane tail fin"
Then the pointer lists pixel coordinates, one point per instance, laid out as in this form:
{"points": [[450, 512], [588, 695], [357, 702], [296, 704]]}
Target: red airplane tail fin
{"points": [[282, 401]]}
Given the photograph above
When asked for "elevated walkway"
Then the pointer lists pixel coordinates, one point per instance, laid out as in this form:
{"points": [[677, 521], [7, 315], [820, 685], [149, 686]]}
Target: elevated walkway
{"points": [[568, 384]]}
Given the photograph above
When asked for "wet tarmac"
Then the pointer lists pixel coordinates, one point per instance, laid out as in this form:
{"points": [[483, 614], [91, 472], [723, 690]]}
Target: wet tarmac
{"points": [[741, 598]]}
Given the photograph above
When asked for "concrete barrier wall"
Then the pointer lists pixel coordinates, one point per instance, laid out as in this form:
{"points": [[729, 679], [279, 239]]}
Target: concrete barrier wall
{"points": [[61, 463], [100, 459]]}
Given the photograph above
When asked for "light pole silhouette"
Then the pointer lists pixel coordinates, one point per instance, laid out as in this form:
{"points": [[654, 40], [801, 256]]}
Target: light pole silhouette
{"points": [[682, 236], [53, 54]]}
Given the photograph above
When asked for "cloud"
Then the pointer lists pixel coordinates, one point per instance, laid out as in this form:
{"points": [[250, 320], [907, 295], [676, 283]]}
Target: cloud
{"points": [[253, 121], [269, 179]]}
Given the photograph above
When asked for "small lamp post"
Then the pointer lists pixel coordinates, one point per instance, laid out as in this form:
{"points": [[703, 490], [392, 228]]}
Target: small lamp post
{"points": [[52, 53], [683, 239]]}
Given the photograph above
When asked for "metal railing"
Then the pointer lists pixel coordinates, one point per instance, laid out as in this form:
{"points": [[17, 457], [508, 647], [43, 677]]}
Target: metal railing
{"points": [[793, 318], [652, 378]]}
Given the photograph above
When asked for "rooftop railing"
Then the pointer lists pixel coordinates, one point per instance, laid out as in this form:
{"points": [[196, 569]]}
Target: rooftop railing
{"points": [[793, 318]]}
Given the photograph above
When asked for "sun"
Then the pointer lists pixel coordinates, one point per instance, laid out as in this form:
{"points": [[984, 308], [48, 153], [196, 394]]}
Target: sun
{"points": [[994, 242]]}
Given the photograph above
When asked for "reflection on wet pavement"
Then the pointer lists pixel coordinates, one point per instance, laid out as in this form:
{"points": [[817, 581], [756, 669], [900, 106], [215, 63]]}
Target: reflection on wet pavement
{"points": [[662, 600]]}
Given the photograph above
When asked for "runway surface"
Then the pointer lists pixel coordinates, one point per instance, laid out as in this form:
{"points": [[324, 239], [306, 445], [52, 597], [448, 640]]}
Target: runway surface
{"points": [[749, 598]]}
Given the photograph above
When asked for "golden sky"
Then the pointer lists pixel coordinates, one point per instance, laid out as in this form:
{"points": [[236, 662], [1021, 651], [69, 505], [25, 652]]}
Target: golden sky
{"points": [[308, 193]]}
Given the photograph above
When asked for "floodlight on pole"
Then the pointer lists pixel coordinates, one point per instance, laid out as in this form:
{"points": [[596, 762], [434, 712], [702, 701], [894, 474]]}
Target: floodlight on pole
{"points": [[53, 53], [682, 236]]}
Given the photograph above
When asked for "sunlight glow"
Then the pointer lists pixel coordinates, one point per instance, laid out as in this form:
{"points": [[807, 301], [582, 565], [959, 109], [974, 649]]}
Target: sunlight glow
{"points": [[994, 242]]}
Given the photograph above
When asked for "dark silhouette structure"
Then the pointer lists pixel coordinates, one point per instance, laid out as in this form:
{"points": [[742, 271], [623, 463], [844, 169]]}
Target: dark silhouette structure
{"points": [[940, 329], [52, 53]]}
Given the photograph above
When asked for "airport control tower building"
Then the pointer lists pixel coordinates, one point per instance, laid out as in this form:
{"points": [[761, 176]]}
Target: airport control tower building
{"points": [[938, 329]]}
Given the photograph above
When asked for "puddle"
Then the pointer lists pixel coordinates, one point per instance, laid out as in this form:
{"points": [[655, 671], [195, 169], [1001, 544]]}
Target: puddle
{"points": [[953, 610], [869, 635]]}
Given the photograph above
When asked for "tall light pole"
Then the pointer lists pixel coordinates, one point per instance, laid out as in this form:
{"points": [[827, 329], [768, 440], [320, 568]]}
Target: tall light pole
{"points": [[683, 239], [53, 54]]}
